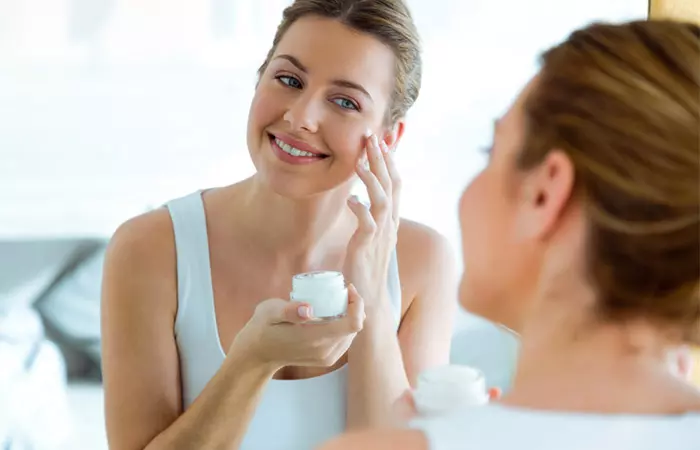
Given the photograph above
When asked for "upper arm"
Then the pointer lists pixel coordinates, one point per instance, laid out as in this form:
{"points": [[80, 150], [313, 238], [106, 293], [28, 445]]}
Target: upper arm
{"points": [[139, 356], [428, 273], [379, 440]]}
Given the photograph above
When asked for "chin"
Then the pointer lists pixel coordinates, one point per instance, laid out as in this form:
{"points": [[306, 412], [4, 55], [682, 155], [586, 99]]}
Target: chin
{"points": [[467, 297], [296, 186], [478, 299], [298, 181], [290, 186], [282, 182]]}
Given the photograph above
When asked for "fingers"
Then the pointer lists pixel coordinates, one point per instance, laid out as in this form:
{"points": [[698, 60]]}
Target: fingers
{"points": [[377, 164], [276, 311], [377, 196], [395, 181], [356, 310], [376, 177], [682, 363], [366, 226], [404, 408]]}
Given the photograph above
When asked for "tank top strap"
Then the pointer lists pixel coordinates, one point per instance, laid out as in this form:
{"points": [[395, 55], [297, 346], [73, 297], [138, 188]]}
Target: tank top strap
{"points": [[193, 266]]}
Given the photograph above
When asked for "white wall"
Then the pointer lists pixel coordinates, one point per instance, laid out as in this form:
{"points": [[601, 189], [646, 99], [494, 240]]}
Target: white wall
{"points": [[108, 107]]}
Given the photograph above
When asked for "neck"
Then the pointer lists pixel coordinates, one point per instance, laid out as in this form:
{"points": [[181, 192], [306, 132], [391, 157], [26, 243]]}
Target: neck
{"points": [[301, 230], [571, 362]]}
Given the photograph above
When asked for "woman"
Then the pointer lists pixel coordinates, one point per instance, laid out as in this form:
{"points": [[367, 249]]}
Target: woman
{"points": [[193, 355], [587, 244]]}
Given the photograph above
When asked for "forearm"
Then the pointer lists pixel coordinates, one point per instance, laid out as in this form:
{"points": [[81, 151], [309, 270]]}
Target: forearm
{"points": [[376, 373], [219, 417]]}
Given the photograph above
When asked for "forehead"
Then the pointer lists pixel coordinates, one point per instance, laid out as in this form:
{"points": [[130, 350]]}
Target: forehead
{"points": [[331, 50], [512, 123]]}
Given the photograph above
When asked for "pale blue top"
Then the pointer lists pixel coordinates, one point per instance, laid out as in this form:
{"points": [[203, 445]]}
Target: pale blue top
{"points": [[496, 427], [292, 414]]}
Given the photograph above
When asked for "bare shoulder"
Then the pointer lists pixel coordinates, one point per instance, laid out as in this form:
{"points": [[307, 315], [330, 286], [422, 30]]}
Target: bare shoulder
{"points": [[423, 253], [143, 246], [140, 270], [379, 440], [144, 233], [139, 304], [429, 292], [418, 240]]}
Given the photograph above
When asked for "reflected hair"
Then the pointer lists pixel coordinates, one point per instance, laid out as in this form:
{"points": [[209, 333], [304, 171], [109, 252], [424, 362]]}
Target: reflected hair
{"points": [[623, 102]]}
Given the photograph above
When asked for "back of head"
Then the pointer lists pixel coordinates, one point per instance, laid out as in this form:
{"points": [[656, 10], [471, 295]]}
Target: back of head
{"points": [[623, 102], [389, 21]]}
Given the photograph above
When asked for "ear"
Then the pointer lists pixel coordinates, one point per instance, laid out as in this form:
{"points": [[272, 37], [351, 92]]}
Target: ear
{"points": [[547, 190], [393, 136]]}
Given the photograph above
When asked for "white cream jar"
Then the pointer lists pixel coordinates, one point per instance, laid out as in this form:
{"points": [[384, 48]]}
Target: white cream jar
{"points": [[325, 291], [442, 389]]}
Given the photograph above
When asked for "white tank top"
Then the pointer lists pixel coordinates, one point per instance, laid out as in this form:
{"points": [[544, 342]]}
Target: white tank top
{"points": [[287, 407], [496, 427]]}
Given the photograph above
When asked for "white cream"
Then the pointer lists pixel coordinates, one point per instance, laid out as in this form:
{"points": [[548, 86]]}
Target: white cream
{"points": [[442, 389], [325, 291]]}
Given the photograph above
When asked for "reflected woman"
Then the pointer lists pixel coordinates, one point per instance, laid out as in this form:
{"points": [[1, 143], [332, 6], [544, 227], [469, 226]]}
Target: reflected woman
{"points": [[194, 355]]}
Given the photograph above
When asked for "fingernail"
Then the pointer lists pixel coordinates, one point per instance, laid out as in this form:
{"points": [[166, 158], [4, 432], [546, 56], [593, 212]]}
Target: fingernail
{"points": [[354, 199], [368, 133], [363, 165], [304, 312], [375, 140], [385, 148]]}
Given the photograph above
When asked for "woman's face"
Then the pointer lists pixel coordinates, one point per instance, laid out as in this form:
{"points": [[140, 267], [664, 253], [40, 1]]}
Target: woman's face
{"points": [[325, 86], [501, 259]]}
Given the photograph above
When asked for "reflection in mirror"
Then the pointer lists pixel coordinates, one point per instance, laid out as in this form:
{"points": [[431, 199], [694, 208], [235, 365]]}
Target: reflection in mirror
{"points": [[114, 107]]}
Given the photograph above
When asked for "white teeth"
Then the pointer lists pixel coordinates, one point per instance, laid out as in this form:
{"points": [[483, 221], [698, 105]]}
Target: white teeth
{"points": [[291, 150]]}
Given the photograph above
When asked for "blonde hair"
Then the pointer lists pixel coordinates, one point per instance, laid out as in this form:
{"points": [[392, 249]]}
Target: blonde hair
{"points": [[389, 21], [623, 102]]}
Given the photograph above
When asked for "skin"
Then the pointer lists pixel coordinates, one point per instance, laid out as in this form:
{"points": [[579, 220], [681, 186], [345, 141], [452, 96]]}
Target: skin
{"points": [[523, 264], [306, 223]]}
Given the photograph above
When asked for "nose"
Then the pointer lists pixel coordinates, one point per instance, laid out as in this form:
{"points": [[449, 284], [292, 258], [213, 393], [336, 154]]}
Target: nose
{"points": [[304, 114]]}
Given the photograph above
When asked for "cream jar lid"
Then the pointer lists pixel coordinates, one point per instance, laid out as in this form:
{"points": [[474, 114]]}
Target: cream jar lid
{"points": [[441, 389], [312, 282]]}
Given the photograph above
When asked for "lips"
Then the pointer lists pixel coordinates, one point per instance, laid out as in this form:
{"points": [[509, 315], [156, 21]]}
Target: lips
{"points": [[296, 147], [293, 155]]}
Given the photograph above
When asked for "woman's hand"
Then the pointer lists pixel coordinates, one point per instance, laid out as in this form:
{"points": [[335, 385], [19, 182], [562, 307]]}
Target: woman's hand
{"points": [[370, 248], [280, 334], [405, 407], [680, 361]]}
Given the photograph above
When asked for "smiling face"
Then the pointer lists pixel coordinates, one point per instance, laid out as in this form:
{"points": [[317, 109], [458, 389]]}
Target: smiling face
{"points": [[324, 87]]}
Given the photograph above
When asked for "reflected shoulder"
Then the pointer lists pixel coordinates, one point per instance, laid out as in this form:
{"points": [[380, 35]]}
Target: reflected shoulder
{"points": [[426, 258], [416, 240]]}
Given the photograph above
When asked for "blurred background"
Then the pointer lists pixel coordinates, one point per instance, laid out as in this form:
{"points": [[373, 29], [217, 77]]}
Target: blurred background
{"points": [[108, 108]]}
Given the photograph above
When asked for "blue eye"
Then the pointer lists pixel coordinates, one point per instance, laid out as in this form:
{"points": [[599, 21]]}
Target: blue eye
{"points": [[345, 103], [289, 81]]}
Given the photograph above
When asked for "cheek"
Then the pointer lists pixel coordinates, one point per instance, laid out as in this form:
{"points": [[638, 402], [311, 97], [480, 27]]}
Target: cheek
{"points": [[263, 109], [473, 219], [345, 139], [483, 217]]}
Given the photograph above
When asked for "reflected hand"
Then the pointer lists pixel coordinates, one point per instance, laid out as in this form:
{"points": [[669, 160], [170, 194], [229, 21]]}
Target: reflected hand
{"points": [[279, 334], [370, 248]]}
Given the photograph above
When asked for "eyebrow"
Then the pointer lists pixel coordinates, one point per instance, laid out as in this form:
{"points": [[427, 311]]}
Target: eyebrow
{"points": [[341, 83]]}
